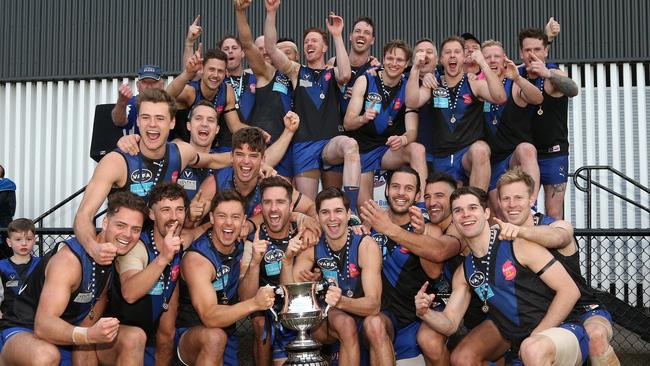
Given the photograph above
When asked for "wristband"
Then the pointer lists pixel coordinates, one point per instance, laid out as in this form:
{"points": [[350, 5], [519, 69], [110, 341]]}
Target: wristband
{"points": [[79, 335]]}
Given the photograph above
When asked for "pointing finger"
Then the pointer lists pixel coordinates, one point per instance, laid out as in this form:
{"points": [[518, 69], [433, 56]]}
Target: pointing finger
{"points": [[424, 287], [196, 21]]}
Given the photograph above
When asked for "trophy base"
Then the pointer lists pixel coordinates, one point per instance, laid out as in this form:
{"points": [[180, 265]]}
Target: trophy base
{"points": [[305, 358]]}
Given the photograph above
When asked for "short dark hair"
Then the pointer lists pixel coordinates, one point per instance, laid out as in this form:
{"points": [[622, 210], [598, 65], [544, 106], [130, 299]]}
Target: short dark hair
{"points": [[536, 33], [215, 53], [365, 19], [317, 30], [442, 177], [331, 193], [408, 170], [276, 181], [201, 103], [228, 36], [127, 200], [474, 191], [452, 39], [225, 196], [169, 191], [20, 226], [154, 95], [249, 135], [2, 171], [398, 44]]}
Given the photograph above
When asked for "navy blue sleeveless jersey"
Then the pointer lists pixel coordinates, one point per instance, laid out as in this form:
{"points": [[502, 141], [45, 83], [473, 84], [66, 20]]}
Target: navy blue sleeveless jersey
{"points": [[144, 173], [506, 125], [272, 260], [572, 265], [316, 101], [272, 102], [453, 135], [225, 180], [219, 101], [389, 121], [145, 313], [402, 276], [520, 298], [192, 178], [550, 129], [342, 266], [82, 300], [426, 132], [225, 284], [245, 91], [12, 277], [346, 91]]}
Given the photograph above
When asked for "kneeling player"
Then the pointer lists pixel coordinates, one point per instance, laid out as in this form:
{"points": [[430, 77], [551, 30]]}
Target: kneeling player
{"points": [[209, 302]]}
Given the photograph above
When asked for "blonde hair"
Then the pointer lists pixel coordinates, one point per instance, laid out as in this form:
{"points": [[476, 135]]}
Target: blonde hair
{"points": [[515, 175]]}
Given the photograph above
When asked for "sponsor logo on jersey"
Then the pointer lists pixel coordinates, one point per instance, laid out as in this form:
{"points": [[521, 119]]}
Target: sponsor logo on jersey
{"points": [[509, 271], [274, 255], [141, 175], [327, 263]]}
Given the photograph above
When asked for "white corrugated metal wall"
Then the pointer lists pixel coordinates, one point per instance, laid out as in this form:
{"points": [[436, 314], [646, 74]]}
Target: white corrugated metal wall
{"points": [[46, 130]]}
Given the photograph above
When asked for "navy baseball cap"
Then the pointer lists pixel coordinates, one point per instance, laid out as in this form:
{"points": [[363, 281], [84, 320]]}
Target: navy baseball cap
{"points": [[149, 71]]}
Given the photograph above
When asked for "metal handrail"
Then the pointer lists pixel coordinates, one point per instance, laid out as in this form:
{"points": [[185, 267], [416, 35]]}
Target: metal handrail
{"points": [[39, 219], [587, 177]]}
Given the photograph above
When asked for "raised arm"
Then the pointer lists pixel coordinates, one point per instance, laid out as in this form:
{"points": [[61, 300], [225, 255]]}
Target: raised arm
{"points": [[276, 151], [251, 280], [554, 276], [118, 114], [523, 91], [193, 33], [178, 88], [279, 59], [263, 71], [416, 95], [342, 71], [111, 171], [490, 89]]}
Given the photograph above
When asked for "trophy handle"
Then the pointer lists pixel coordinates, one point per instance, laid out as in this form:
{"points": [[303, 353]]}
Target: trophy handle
{"points": [[327, 309], [275, 315]]}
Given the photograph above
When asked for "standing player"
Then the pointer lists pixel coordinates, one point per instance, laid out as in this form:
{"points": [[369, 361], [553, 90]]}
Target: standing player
{"points": [[125, 113], [380, 123], [549, 126], [273, 90], [457, 117], [318, 141], [352, 265], [508, 126], [515, 190]]}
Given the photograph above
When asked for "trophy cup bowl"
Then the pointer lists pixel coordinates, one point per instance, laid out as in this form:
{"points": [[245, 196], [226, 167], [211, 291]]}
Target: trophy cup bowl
{"points": [[301, 312]]}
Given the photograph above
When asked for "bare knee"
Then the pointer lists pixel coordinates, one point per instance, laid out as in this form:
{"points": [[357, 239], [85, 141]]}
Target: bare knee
{"points": [[346, 327], [432, 344], [416, 150], [536, 350], [526, 152], [47, 355], [464, 356], [479, 153], [349, 146], [598, 339], [375, 331], [213, 341], [133, 338]]}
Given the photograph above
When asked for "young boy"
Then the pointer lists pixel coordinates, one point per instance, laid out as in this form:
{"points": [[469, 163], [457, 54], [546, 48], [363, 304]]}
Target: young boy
{"points": [[14, 270]]}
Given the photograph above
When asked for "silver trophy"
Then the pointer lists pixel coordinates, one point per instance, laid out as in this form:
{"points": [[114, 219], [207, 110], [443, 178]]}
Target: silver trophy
{"points": [[301, 312]]}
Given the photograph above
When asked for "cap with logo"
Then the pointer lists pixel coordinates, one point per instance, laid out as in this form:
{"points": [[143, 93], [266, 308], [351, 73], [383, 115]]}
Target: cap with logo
{"points": [[149, 72]]}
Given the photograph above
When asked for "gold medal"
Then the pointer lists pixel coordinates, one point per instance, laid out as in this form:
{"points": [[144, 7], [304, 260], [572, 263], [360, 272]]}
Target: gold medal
{"points": [[453, 119], [540, 111]]}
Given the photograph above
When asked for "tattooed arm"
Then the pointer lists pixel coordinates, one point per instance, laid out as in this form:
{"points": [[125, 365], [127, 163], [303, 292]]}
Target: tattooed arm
{"points": [[563, 83]]}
